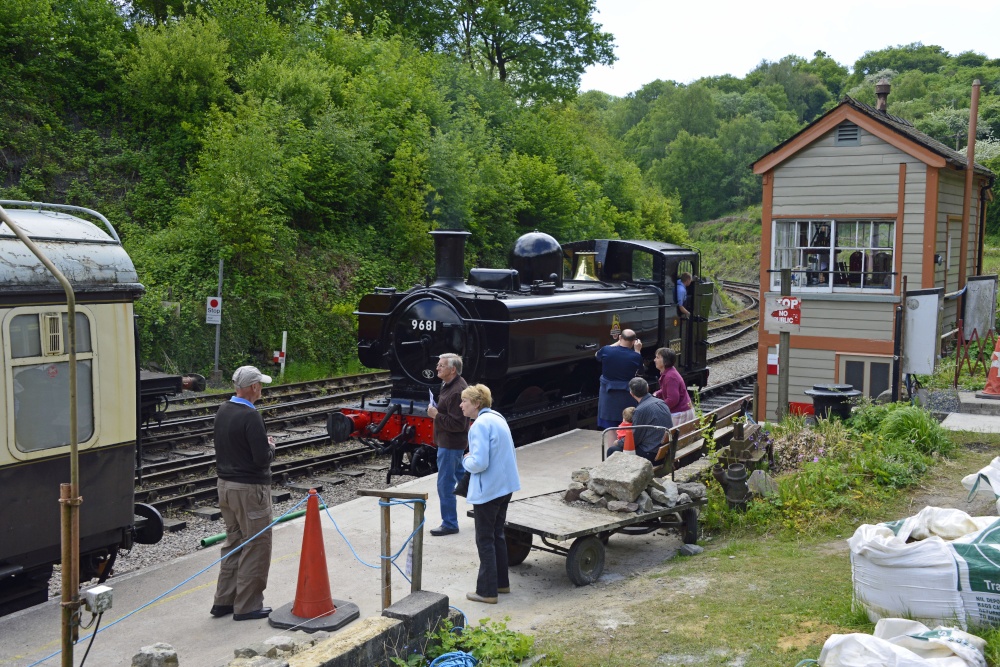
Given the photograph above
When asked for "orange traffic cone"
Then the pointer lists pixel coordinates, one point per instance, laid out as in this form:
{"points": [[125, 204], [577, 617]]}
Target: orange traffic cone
{"points": [[314, 607], [992, 389], [629, 442], [312, 595]]}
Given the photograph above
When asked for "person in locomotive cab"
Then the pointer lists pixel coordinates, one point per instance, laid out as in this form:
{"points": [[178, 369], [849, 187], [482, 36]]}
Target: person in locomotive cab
{"points": [[493, 464], [451, 428], [685, 300], [619, 363], [650, 411], [243, 453]]}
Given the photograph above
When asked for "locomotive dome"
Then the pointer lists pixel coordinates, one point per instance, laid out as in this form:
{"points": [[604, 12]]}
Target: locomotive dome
{"points": [[536, 256]]}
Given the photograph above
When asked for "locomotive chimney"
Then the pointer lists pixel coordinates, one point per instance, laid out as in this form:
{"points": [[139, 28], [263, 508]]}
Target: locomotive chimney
{"points": [[449, 258], [882, 89]]}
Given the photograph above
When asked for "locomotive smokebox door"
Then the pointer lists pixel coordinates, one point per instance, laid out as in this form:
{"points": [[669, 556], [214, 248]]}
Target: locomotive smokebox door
{"points": [[426, 329]]}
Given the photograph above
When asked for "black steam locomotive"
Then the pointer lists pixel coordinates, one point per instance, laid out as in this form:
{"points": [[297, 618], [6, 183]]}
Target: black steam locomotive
{"points": [[529, 332]]}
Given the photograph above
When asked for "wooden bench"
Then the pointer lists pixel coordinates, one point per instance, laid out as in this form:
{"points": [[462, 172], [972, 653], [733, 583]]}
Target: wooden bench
{"points": [[685, 444]]}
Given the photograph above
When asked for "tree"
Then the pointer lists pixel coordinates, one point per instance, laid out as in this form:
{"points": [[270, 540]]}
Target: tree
{"points": [[901, 58], [694, 169], [540, 47]]}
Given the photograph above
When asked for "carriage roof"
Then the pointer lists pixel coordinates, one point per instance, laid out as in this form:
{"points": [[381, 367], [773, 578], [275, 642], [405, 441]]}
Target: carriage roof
{"points": [[90, 257]]}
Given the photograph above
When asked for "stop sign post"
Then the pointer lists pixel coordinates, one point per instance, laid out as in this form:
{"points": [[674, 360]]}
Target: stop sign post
{"points": [[213, 310], [213, 315]]}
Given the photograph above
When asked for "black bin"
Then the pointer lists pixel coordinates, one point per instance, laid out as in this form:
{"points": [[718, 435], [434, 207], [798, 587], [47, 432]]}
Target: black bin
{"points": [[832, 399]]}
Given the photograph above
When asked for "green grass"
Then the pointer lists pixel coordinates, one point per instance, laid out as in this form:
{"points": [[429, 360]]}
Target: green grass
{"points": [[773, 585]]}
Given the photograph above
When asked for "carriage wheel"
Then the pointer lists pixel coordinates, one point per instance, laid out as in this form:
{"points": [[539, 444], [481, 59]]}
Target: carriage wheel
{"points": [[585, 561], [518, 545]]}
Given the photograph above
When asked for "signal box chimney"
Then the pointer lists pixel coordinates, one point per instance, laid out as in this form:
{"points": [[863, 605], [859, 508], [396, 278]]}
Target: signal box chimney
{"points": [[882, 89]]}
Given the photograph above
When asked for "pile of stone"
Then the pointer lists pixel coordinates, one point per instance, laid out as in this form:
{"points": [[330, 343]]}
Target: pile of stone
{"points": [[625, 483]]}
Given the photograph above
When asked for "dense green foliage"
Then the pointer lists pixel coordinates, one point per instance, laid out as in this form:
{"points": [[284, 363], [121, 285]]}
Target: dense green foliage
{"points": [[311, 159], [310, 147]]}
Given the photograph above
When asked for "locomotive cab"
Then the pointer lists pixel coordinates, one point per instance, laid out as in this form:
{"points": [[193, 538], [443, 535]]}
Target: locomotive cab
{"points": [[658, 267]]}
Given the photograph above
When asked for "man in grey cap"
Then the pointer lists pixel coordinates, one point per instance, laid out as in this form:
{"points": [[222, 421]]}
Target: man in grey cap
{"points": [[243, 453]]}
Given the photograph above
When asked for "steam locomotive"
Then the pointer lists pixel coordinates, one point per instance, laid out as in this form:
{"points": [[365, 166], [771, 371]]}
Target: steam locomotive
{"points": [[529, 332]]}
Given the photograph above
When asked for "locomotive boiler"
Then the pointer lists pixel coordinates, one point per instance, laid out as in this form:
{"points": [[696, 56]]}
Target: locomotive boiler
{"points": [[529, 332]]}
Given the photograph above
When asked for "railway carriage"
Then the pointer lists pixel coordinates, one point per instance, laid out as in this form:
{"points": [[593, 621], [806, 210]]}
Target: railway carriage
{"points": [[529, 332], [112, 401]]}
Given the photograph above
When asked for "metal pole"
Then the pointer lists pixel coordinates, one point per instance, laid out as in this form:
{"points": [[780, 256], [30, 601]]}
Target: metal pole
{"points": [[69, 494], [416, 573], [386, 554], [784, 343], [284, 343], [216, 374], [970, 168]]}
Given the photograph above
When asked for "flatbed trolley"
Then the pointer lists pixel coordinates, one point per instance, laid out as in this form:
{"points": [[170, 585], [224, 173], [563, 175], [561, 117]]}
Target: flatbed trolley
{"points": [[553, 520]]}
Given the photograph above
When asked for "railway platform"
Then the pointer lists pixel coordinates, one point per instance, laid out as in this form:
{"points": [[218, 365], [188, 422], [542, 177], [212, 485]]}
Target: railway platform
{"points": [[978, 415], [539, 586]]}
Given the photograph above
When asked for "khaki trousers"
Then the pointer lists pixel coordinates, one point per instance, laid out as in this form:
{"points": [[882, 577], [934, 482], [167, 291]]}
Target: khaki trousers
{"points": [[246, 509]]}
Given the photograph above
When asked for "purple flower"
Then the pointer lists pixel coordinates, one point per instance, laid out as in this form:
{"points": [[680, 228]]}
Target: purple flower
{"points": [[815, 459]]}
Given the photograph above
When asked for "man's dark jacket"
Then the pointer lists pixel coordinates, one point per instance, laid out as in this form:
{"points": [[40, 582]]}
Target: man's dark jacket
{"points": [[242, 453], [451, 427], [651, 411]]}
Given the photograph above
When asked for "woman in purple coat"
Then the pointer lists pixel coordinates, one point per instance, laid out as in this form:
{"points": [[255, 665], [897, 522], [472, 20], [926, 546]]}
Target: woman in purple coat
{"points": [[673, 389]]}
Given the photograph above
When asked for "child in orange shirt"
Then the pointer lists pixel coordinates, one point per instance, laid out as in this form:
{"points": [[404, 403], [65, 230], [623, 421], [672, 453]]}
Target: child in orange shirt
{"points": [[625, 437]]}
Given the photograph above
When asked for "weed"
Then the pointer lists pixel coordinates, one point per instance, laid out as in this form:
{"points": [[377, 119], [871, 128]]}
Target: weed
{"points": [[492, 643]]}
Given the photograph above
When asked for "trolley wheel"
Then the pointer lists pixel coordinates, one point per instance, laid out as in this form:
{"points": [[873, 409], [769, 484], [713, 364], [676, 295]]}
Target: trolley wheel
{"points": [[690, 518], [585, 561], [518, 545], [423, 461]]}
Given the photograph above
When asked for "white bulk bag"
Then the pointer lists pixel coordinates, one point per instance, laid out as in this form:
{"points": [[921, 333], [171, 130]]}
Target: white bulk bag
{"points": [[892, 578], [898, 642], [986, 480]]}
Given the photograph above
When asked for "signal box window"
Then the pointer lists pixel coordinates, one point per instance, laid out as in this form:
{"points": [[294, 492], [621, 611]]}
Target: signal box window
{"points": [[870, 375], [835, 255], [39, 361]]}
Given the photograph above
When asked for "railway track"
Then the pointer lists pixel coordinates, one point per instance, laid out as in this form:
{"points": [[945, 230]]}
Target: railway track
{"points": [[192, 425]]}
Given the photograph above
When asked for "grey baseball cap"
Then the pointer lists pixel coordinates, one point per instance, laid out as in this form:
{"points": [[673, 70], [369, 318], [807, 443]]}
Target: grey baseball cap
{"points": [[248, 375]]}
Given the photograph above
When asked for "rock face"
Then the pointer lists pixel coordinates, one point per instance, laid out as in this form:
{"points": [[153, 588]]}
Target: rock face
{"points": [[622, 476]]}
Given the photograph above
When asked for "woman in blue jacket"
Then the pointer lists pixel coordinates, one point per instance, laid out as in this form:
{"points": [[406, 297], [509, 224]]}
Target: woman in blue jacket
{"points": [[494, 479]]}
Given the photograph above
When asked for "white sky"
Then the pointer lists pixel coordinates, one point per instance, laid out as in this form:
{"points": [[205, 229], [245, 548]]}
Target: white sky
{"points": [[684, 40]]}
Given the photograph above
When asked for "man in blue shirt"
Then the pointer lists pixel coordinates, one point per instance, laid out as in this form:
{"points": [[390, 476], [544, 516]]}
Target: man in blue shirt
{"points": [[619, 363], [683, 283], [650, 411]]}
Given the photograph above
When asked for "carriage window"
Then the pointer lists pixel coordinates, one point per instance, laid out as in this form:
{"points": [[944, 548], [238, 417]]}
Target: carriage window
{"points": [[26, 339], [832, 254], [40, 379], [41, 405]]}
